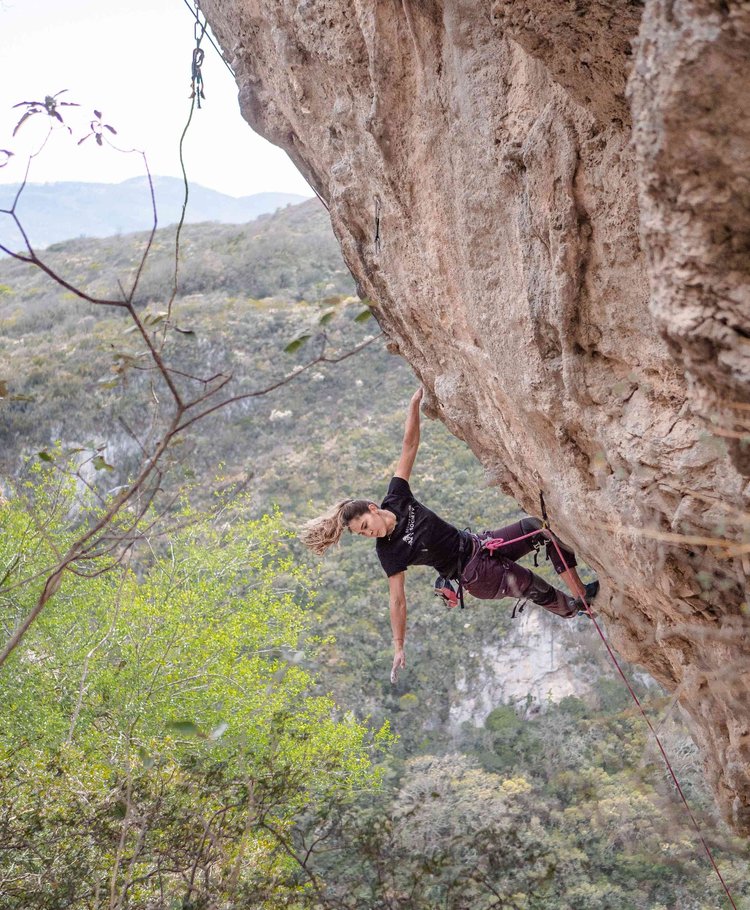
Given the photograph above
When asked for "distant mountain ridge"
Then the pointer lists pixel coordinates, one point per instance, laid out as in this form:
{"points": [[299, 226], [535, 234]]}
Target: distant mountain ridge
{"points": [[51, 212]]}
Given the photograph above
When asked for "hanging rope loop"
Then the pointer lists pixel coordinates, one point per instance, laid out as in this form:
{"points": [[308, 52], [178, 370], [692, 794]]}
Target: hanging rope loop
{"points": [[196, 79]]}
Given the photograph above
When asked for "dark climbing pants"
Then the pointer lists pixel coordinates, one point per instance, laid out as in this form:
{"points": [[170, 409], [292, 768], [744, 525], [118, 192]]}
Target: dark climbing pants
{"points": [[493, 575]]}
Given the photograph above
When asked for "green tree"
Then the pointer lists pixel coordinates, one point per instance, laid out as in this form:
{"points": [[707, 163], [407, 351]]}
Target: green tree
{"points": [[160, 733]]}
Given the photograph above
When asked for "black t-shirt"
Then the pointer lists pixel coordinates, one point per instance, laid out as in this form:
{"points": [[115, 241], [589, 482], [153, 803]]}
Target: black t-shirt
{"points": [[420, 537]]}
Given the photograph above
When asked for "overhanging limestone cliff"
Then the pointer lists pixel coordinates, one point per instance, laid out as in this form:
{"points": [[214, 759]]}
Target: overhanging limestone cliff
{"points": [[549, 204]]}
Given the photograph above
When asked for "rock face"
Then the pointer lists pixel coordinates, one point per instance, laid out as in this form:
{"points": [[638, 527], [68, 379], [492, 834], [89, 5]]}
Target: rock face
{"points": [[548, 203]]}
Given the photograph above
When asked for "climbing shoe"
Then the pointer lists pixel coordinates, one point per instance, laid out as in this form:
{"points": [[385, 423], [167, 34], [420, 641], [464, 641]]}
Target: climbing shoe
{"points": [[581, 606], [591, 589]]}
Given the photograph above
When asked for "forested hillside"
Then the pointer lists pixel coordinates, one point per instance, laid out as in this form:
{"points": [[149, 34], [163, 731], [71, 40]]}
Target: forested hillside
{"points": [[491, 793]]}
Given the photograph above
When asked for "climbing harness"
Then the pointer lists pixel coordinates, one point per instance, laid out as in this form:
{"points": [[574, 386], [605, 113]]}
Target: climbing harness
{"points": [[444, 588], [496, 544]]}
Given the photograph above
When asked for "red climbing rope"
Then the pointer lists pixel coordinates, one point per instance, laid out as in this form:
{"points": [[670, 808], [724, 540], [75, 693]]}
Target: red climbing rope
{"points": [[496, 544]]}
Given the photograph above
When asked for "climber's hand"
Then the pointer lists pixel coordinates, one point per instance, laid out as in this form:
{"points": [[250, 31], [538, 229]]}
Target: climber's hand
{"points": [[399, 663]]}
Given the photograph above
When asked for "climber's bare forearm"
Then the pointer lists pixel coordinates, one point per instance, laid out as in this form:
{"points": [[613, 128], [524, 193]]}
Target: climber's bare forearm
{"points": [[397, 591], [410, 445], [574, 583]]}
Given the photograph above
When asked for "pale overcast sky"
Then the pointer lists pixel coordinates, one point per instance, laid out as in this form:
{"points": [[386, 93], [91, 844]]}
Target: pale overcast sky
{"points": [[131, 60]]}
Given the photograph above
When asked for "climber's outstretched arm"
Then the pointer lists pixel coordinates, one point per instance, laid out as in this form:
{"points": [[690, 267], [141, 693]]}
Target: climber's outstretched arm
{"points": [[397, 591], [411, 437]]}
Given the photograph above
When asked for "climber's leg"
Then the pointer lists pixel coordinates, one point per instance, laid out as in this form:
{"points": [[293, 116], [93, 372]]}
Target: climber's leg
{"points": [[552, 599], [492, 577], [515, 548]]}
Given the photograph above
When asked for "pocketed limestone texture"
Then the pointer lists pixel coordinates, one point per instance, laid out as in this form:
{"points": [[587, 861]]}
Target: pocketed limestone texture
{"points": [[548, 203]]}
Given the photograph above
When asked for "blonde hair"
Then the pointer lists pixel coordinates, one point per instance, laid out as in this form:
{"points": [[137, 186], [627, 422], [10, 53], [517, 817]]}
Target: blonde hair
{"points": [[323, 532]]}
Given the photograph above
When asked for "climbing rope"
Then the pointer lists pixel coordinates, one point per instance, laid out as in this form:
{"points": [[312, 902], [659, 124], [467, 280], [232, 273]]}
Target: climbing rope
{"points": [[709, 854]]}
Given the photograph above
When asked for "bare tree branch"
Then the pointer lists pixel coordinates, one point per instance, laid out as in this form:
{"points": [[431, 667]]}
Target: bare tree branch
{"points": [[104, 537]]}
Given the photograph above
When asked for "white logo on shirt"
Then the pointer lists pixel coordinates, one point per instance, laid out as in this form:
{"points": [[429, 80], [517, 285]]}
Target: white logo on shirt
{"points": [[409, 535]]}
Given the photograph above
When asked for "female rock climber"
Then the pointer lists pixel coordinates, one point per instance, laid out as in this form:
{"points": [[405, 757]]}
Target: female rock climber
{"points": [[407, 533]]}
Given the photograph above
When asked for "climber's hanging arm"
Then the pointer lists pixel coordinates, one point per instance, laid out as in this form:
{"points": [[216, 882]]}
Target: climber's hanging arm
{"points": [[396, 583], [397, 588], [411, 437]]}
